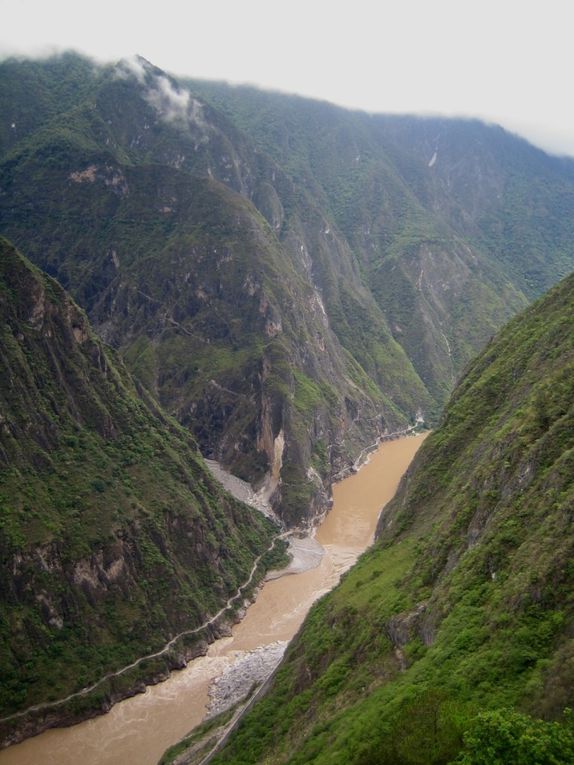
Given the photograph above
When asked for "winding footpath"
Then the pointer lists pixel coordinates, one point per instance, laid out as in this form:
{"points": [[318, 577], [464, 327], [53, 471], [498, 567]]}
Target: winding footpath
{"points": [[88, 689]]}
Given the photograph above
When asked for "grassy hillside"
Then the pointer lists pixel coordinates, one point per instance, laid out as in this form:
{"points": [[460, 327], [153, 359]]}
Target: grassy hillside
{"points": [[114, 537], [452, 636]]}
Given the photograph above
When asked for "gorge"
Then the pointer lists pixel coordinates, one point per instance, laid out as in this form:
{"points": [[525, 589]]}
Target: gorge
{"points": [[275, 284], [139, 729]]}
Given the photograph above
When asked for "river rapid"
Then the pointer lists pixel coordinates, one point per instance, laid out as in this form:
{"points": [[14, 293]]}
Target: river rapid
{"points": [[139, 729]]}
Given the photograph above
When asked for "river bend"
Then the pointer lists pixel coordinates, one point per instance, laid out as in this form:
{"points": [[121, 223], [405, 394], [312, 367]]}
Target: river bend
{"points": [[139, 729]]}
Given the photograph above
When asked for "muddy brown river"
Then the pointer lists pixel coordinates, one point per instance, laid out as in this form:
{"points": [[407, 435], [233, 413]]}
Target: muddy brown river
{"points": [[138, 730]]}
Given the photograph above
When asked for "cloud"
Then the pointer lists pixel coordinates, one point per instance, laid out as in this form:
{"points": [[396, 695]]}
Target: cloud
{"points": [[509, 62], [172, 103], [133, 66]]}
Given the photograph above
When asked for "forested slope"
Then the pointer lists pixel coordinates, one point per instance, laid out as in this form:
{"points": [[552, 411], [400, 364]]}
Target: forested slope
{"points": [[289, 278], [114, 537], [453, 634]]}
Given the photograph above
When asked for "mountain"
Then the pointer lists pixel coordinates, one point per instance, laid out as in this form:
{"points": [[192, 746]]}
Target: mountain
{"points": [[454, 222], [120, 200], [289, 279], [452, 636], [114, 537]]}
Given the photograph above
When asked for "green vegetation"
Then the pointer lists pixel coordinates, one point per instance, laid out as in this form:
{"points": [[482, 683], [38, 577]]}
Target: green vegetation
{"points": [[450, 640], [114, 536], [200, 741], [268, 263], [500, 737], [209, 308], [449, 252]]}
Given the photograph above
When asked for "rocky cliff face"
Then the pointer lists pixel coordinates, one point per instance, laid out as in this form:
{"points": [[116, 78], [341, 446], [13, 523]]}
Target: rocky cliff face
{"points": [[114, 537], [277, 270], [454, 632], [454, 222], [218, 315]]}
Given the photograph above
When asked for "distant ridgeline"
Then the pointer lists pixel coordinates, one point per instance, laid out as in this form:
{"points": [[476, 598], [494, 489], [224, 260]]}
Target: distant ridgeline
{"points": [[114, 537], [452, 639], [289, 279]]}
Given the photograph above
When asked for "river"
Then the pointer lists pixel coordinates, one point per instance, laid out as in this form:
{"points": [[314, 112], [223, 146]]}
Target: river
{"points": [[138, 730]]}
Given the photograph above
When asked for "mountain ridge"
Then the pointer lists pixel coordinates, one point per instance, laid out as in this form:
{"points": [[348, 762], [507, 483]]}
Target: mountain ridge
{"points": [[450, 640], [291, 281], [114, 536], [379, 271]]}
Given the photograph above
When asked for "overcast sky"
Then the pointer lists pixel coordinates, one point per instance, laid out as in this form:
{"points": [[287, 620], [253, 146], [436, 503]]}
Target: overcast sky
{"points": [[506, 61]]}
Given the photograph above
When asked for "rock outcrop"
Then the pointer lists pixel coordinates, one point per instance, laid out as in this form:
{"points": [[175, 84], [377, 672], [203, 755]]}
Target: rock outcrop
{"points": [[114, 536]]}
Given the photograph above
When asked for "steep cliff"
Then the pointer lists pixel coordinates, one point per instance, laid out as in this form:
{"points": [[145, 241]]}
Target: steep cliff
{"points": [[221, 282], [453, 635], [114, 537], [454, 222], [290, 279]]}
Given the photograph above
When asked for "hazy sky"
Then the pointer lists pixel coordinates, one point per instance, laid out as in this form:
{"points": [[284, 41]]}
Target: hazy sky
{"points": [[505, 61]]}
